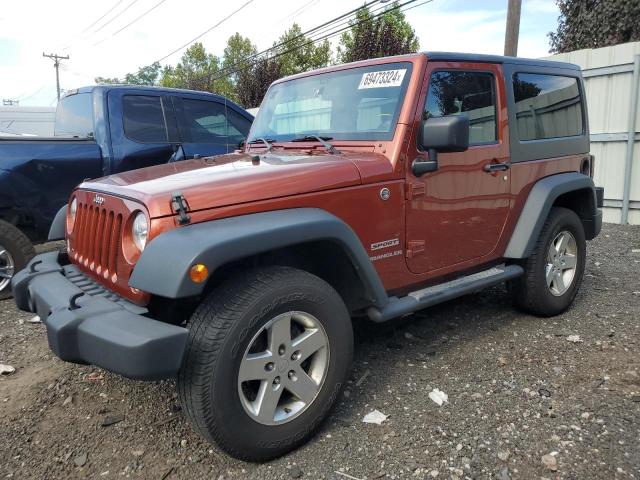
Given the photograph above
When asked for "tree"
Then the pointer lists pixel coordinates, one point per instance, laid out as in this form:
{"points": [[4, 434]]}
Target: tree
{"points": [[148, 75], [384, 35], [197, 70], [299, 53], [595, 23], [236, 61], [254, 81]]}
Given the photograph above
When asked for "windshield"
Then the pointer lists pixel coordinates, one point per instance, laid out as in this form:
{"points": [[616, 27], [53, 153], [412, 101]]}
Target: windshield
{"points": [[356, 104], [74, 116]]}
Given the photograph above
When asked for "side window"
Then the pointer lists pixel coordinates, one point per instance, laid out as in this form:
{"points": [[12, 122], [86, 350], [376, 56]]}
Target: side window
{"points": [[210, 122], [144, 119], [468, 93], [547, 106]]}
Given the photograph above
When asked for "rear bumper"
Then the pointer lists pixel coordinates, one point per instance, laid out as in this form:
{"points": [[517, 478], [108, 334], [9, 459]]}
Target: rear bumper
{"points": [[98, 328]]}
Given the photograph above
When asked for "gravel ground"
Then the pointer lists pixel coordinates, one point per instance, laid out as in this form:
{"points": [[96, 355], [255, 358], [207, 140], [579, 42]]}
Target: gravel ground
{"points": [[524, 400]]}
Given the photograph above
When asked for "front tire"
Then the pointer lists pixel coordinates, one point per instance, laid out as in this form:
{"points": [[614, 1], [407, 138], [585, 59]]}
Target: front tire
{"points": [[553, 272], [268, 353], [15, 252]]}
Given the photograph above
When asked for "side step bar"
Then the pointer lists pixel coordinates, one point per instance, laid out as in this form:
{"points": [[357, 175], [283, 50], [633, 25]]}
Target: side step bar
{"points": [[435, 294]]}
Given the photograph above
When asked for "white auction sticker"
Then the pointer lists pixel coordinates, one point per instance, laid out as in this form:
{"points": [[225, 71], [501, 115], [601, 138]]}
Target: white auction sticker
{"points": [[385, 78]]}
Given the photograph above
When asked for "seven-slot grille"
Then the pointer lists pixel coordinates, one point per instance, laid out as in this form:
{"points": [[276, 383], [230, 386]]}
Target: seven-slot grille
{"points": [[97, 239]]}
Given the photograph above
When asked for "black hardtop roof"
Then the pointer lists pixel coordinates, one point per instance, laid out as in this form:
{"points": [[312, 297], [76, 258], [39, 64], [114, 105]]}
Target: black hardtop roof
{"points": [[480, 58]]}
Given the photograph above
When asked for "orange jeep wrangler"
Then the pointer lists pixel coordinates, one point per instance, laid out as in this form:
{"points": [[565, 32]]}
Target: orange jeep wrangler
{"points": [[371, 189]]}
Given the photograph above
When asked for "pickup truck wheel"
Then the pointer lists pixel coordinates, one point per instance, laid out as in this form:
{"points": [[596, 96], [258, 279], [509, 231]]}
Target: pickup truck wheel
{"points": [[267, 355], [15, 252], [553, 272]]}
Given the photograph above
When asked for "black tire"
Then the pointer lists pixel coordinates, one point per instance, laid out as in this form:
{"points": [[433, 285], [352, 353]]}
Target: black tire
{"points": [[19, 247], [531, 292], [220, 331]]}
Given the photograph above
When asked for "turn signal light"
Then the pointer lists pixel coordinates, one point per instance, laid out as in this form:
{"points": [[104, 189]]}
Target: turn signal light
{"points": [[198, 273]]}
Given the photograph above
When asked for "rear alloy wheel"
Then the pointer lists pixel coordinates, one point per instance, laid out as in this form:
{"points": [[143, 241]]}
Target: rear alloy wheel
{"points": [[553, 272], [15, 252], [562, 260], [268, 353]]}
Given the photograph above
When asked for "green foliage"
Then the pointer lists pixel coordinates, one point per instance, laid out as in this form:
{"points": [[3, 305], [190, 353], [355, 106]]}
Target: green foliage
{"points": [[388, 34], [595, 23], [242, 77], [299, 54], [197, 70], [148, 75], [254, 81]]}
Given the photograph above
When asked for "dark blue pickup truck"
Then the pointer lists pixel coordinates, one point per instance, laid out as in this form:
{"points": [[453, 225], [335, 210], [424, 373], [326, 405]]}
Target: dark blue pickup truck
{"points": [[99, 131]]}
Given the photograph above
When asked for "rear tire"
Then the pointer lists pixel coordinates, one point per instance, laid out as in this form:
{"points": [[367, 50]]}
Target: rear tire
{"points": [[553, 272], [15, 252], [265, 315]]}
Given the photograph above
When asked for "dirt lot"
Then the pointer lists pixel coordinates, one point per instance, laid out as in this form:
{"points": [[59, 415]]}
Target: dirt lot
{"points": [[518, 390]]}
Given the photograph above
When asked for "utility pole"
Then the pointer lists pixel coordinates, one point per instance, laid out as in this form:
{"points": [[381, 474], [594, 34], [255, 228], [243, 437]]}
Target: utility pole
{"points": [[56, 63], [513, 28]]}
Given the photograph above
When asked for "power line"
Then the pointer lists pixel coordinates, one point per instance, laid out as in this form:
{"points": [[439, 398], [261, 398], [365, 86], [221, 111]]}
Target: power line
{"points": [[315, 40], [116, 16], [301, 35], [131, 22], [107, 13], [207, 31]]}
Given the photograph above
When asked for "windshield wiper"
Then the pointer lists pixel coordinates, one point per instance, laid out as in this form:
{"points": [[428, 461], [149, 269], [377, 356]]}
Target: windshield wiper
{"points": [[323, 140], [266, 141]]}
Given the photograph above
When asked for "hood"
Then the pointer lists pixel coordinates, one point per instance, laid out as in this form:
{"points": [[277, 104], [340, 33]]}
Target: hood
{"points": [[238, 178]]}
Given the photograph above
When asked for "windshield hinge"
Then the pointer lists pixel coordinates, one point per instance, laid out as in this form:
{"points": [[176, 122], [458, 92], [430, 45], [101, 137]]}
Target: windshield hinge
{"points": [[180, 206]]}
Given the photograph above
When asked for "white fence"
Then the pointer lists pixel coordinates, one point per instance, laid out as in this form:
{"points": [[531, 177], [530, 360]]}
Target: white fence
{"points": [[612, 84], [27, 120]]}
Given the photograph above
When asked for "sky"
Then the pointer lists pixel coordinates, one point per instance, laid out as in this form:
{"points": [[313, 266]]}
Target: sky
{"points": [[112, 45]]}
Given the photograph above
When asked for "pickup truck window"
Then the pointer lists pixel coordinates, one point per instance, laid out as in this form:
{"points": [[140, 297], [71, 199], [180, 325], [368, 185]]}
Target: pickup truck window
{"points": [[74, 116], [144, 119], [547, 106], [465, 93], [211, 122], [356, 104]]}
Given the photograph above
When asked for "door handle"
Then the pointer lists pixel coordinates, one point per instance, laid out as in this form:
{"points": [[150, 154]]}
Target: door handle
{"points": [[496, 167]]}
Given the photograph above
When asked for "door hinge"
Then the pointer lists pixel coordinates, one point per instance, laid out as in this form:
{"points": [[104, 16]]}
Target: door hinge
{"points": [[415, 247], [415, 189], [179, 205]]}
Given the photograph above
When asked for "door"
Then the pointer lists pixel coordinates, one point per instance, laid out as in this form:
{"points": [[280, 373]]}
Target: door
{"points": [[209, 127], [456, 214], [143, 129]]}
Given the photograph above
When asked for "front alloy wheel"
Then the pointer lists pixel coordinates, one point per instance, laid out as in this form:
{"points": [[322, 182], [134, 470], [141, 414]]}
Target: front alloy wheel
{"points": [[7, 268], [280, 376]]}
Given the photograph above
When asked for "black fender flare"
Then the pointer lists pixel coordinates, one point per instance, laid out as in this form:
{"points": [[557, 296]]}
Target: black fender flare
{"points": [[163, 267], [56, 231], [536, 209]]}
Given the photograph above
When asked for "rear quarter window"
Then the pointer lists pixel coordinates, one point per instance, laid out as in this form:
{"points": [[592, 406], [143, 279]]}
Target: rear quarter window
{"points": [[547, 106], [74, 116]]}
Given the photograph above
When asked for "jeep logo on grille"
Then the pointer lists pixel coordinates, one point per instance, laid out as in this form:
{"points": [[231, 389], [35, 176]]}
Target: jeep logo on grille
{"points": [[98, 200]]}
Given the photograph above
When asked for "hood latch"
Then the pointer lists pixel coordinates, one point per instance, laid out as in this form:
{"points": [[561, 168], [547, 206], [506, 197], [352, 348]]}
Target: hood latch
{"points": [[180, 206]]}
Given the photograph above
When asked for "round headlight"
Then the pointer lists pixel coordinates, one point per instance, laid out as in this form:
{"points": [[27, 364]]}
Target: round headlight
{"points": [[140, 230]]}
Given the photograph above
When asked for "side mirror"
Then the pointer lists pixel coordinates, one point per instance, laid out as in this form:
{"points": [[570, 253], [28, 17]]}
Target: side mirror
{"points": [[441, 134]]}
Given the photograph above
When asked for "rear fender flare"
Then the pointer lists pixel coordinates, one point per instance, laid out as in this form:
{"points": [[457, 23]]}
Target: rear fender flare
{"points": [[163, 267], [537, 207]]}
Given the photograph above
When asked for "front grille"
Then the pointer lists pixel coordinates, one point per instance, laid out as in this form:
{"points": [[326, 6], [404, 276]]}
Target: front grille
{"points": [[97, 242]]}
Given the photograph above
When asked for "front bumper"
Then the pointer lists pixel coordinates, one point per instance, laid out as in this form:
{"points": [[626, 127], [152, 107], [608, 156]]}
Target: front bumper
{"points": [[89, 324]]}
